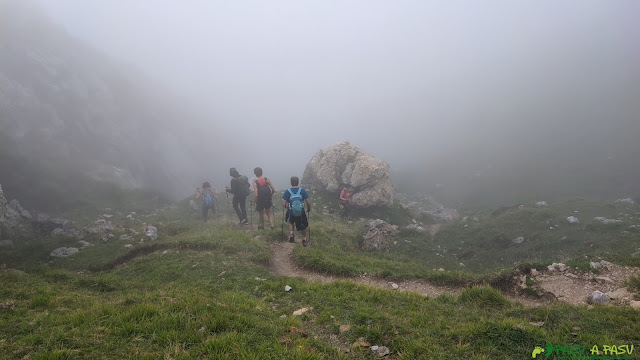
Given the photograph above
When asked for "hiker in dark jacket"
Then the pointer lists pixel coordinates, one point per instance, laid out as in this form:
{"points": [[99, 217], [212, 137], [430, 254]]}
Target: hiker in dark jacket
{"points": [[208, 200], [240, 189], [262, 193]]}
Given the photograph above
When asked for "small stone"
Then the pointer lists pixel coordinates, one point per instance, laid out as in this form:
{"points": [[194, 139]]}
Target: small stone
{"points": [[345, 328], [283, 316], [537, 324], [128, 246], [573, 220], [63, 252], [374, 347], [518, 240], [259, 279], [383, 351], [598, 297], [462, 265], [165, 252], [441, 269], [394, 286], [202, 329], [634, 304], [533, 272], [541, 204], [287, 288]]}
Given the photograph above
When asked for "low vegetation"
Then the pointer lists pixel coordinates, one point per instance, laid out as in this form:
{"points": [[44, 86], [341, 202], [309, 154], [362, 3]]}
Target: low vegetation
{"points": [[203, 291]]}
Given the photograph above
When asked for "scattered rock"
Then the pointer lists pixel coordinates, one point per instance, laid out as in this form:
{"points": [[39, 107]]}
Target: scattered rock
{"points": [[627, 200], [202, 329], [107, 237], [598, 297], [440, 269], [603, 280], [9, 305], [606, 221], [634, 304], [345, 328], [462, 265], [151, 232], [300, 311], [382, 351], [84, 243], [260, 279], [107, 216], [557, 267], [128, 246], [394, 286], [416, 227], [283, 316], [374, 347], [518, 240], [63, 252], [602, 265], [126, 237], [533, 272], [379, 235], [287, 288], [573, 220], [537, 324], [542, 204]]}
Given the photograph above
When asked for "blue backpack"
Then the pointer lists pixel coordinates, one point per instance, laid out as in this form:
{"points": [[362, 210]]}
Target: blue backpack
{"points": [[296, 203], [207, 200]]}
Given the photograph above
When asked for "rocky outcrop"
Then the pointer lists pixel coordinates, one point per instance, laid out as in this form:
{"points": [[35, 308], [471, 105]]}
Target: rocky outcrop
{"points": [[344, 164], [379, 236]]}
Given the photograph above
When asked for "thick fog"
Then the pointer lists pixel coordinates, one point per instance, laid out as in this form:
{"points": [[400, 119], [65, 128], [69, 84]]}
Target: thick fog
{"points": [[417, 83]]}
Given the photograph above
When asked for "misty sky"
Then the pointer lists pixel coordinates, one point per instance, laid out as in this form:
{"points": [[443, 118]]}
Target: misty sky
{"points": [[400, 79]]}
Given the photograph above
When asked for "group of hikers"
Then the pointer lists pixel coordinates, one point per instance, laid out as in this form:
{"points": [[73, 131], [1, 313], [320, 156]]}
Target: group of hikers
{"points": [[295, 199]]}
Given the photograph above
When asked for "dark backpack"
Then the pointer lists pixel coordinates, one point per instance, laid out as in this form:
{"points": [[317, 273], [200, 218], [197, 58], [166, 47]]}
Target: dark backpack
{"points": [[207, 199], [264, 192], [296, 203], [244, 189]]}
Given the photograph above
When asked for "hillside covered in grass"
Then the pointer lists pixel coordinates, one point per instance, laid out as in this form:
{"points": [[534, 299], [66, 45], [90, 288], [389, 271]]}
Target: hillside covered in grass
{"points": [[204, 291]]}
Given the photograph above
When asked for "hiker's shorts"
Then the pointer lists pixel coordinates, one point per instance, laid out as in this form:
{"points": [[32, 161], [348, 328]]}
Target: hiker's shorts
{"points": [[264, 203], [300, 221]]}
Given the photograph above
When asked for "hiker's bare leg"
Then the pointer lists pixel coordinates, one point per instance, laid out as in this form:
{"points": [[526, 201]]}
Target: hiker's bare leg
{"points": [[304, 233], [270, 217], [262, 218]]}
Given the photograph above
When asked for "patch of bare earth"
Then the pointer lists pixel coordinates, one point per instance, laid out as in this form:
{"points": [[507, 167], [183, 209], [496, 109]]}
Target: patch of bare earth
{"points": [[574, 286]]}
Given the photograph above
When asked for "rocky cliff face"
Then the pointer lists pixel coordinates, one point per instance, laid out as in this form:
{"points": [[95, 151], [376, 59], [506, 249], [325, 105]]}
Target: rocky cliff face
{"points": [[344, 164], [69, 106]]}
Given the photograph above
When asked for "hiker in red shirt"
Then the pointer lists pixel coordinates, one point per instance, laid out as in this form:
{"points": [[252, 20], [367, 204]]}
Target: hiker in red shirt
{"points": [[263, 191], [345, 200]]}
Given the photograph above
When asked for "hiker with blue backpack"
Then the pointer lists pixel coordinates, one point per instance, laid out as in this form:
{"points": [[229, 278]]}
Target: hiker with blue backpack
{"points": [[240, 189], [296, 200], [208, 200]]}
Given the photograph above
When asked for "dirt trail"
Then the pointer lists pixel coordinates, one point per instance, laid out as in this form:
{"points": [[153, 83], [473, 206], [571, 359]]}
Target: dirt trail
{"points": [[282, 264], [571, 286]]}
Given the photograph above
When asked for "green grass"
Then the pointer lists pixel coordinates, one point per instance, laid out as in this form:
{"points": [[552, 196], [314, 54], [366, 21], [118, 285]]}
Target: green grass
{"points": [[198, 292]]}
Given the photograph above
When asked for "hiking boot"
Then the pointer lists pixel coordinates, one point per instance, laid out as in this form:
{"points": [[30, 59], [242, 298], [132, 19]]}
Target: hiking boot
{"points": [[244, 222], [292, 239], [305, 242]]}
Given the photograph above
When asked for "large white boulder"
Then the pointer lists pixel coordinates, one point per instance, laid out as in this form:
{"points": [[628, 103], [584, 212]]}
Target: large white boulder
{"points": [[344, 164]]}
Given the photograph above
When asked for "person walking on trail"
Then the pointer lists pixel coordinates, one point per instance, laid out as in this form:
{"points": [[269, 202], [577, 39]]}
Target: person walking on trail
{"points": [[263, 191], [208, 200], [240, 189], [294, 199], [345, 200]]}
